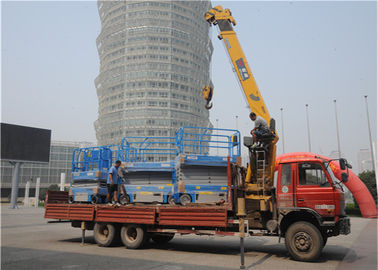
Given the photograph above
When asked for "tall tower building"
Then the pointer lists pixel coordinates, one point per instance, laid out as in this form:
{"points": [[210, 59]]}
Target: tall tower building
{"points": [[154, 60]]}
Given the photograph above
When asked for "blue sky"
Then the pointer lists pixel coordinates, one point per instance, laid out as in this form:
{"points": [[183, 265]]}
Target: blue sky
{"points": [[299, 52]]}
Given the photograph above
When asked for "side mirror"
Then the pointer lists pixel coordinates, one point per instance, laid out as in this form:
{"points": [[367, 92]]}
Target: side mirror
{"points": [[344, 177], [342, 163], [349, 166]]}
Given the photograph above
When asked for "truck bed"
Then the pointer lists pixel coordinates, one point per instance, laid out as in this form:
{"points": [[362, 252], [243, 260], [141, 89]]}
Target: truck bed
{"points": [[57, 207], [168, 215]]}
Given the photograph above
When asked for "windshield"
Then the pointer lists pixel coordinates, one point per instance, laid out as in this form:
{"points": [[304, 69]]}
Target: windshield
{"points": [[335, 181]]}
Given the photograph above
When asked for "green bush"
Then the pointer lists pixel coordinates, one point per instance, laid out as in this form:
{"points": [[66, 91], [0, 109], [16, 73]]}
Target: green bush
{"points": [[42, 191], [368, 177], [352, 210]]}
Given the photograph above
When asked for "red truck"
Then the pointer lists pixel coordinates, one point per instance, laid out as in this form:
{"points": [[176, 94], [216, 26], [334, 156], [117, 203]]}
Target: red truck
{"points": [[307, 206]]}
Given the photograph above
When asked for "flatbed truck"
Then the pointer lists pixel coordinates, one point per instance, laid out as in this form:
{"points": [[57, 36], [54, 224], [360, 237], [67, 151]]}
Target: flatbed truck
{"points": [[297, 198], [304, 215]]}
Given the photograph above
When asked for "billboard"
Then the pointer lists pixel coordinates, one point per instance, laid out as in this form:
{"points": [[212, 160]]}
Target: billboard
{"points": [[20, 143]]}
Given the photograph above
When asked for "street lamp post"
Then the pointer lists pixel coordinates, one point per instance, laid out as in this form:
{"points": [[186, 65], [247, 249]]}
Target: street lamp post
{"points": [[337, 130], [282, 132], [371, 140], [308, 129]]}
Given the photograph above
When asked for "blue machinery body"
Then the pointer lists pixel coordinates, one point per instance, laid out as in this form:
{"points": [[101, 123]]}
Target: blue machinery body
{"points": [[90, 167], [192, 166]]}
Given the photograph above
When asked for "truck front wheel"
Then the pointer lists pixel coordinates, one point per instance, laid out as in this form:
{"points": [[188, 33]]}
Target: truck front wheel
{"points": [[105, 234], [304, 241], [133, 236]]}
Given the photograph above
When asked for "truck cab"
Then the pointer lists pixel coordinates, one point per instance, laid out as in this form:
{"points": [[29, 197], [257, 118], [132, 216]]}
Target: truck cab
{"points": [[311, 184], [310, 204]]}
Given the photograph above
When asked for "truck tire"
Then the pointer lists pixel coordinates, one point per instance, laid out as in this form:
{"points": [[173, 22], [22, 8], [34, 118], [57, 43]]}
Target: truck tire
{"points": [[94, 199], [124, 199], [162, 238], [171, 200], [185, 199], [133, 236], [304, 241], [105, 234]]}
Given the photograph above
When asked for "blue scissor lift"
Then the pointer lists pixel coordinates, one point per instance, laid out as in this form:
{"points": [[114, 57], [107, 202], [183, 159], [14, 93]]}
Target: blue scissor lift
{"points": [[194, 169], [202, 163], [90, 168], [190, 167], [148, 179]]}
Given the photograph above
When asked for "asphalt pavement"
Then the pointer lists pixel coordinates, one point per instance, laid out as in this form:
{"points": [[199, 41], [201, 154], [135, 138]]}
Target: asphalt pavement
{"points": [[29, 242]]}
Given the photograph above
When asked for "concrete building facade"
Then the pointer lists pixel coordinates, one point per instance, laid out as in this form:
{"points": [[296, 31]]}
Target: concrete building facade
{"points": [[154, 60]]}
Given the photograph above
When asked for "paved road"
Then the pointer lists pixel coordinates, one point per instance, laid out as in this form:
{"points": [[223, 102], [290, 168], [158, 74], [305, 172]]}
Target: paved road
{"points": [[29, 242]]}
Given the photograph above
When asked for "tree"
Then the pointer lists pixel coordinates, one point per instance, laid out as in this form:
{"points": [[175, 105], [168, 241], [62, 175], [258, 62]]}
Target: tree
{"points": [[368, 177]]}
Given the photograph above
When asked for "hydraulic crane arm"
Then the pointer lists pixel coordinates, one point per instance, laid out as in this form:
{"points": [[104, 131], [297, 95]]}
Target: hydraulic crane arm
{"points": [[260, 172], [224, 20]]}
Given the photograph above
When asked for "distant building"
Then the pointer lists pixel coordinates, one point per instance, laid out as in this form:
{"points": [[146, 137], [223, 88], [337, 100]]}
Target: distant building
{"points": [[60, 162], [364, 160], [154, 61], [335, 154]]}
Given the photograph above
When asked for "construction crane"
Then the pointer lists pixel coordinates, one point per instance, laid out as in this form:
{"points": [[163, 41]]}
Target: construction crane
{"points": [[260, 172]]}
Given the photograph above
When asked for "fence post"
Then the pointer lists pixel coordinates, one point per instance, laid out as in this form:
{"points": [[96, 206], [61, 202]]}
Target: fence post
{"points": [[26, 198], [37, 184], [15, 181], [62, 181]]}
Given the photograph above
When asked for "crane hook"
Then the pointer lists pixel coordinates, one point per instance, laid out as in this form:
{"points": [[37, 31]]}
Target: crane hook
{"points": [[207, 93]]}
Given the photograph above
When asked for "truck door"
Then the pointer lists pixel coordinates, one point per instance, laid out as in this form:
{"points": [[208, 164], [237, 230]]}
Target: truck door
{"points": [[314, 189], [285, 191]]}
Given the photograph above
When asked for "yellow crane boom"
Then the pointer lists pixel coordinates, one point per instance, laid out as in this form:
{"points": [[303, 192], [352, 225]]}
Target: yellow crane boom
{"points": [[225, 21], [260, 172]]}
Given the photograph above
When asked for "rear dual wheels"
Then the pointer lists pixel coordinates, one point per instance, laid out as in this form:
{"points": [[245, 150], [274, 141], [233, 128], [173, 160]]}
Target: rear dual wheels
{"points": [[105, 234], [133, 236]]}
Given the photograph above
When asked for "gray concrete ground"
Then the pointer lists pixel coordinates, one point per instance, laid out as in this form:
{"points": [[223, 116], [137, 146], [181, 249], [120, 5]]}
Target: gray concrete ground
{"points": [[29, 242]]}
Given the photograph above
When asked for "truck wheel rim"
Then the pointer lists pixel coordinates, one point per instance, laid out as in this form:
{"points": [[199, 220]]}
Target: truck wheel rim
{"points": [[131, 234], [185, 199], [123, 200], [104, 232], [302, 241]]}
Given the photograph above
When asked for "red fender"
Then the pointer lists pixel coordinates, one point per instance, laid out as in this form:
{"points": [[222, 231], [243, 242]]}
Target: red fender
{"points": [[355, 185]]}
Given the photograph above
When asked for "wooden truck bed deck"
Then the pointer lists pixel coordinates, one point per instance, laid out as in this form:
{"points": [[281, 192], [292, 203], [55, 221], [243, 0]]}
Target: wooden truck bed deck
{"points": [[164, 215]]}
